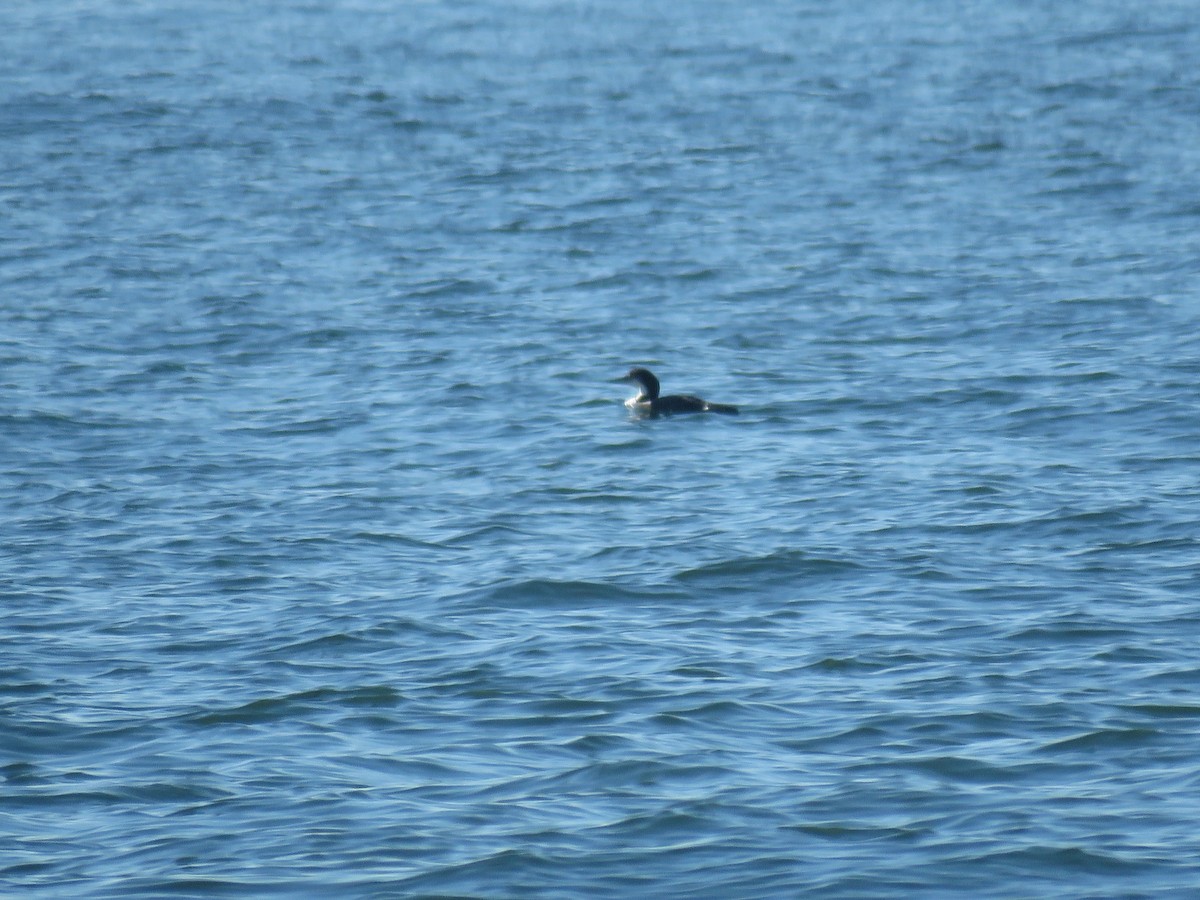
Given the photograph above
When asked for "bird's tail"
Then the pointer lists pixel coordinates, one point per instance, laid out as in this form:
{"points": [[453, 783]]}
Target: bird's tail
{"points": [[721, 408]]}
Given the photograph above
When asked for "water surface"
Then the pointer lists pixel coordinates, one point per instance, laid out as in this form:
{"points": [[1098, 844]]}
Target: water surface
{"points": [[333, 565]]}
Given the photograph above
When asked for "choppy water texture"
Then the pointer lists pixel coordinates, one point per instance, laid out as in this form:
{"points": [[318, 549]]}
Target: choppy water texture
{"points": [[333, 565]]}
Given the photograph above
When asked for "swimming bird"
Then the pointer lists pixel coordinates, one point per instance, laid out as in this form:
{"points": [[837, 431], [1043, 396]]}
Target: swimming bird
{"points": [[648, 403]]}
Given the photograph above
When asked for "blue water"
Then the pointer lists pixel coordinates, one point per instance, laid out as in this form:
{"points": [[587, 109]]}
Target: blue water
{"points": [[333, 565]]}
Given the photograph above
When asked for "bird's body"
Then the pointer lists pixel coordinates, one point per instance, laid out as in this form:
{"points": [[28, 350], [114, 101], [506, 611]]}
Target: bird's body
{"points": [[649, 403]]}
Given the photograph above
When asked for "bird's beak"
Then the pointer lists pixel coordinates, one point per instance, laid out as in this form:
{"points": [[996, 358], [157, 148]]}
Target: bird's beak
{"points": [[623, 378]]}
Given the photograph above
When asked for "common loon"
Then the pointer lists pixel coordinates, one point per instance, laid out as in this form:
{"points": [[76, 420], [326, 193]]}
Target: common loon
{"points": [[647, 402]]}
